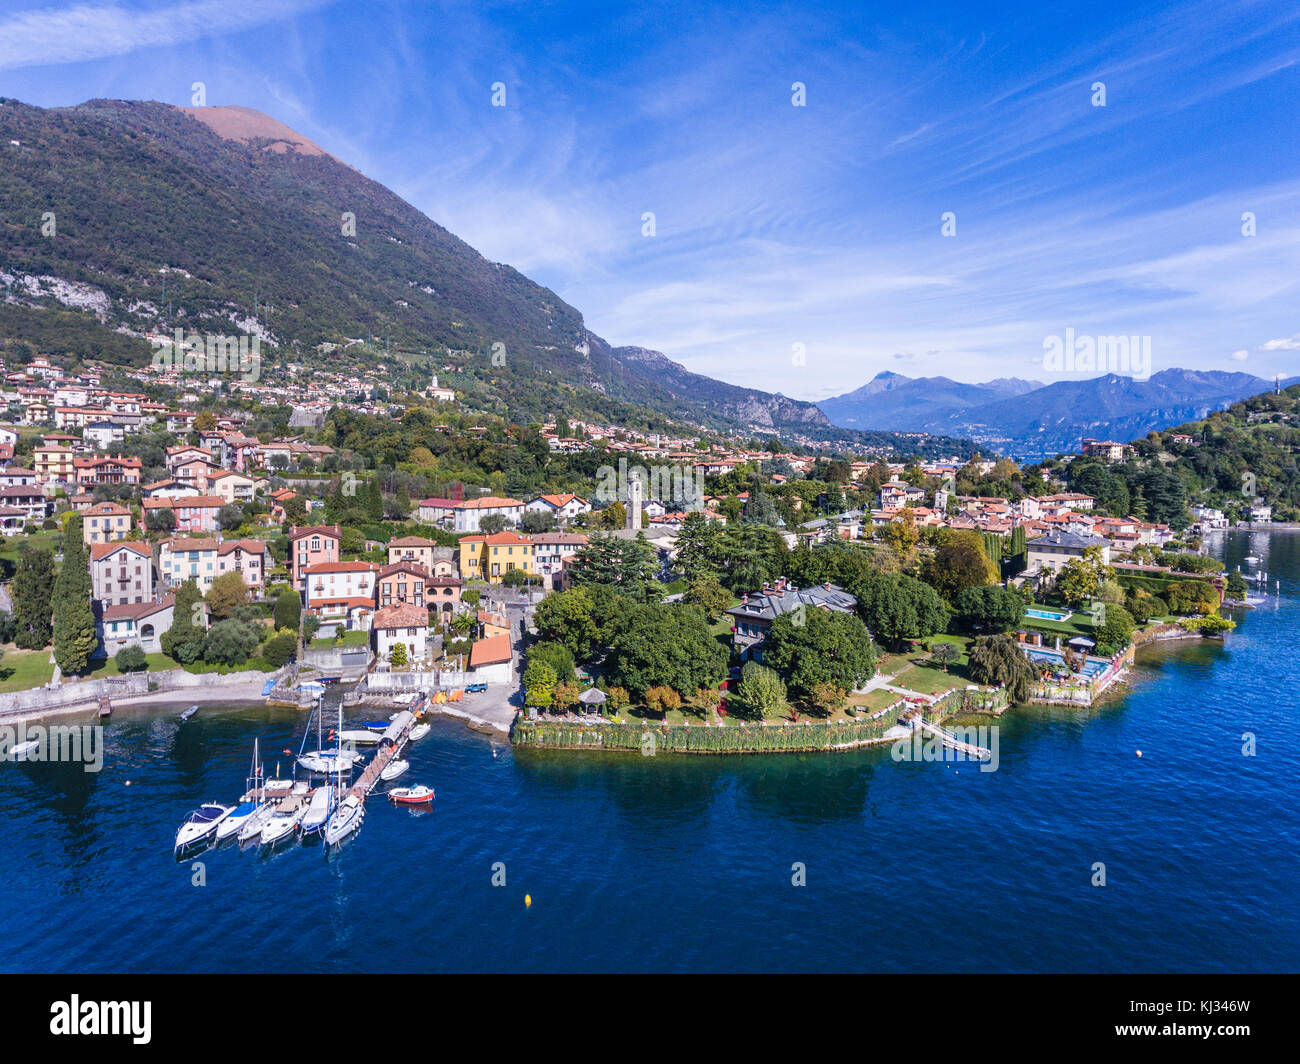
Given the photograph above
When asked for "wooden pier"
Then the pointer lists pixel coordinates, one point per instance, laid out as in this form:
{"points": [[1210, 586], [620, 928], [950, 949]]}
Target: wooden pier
{"points": [[390, 747]]}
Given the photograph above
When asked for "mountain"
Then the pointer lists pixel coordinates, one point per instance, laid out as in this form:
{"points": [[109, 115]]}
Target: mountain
{"points": [[1038, 421], [893, 402], [122, 219]]}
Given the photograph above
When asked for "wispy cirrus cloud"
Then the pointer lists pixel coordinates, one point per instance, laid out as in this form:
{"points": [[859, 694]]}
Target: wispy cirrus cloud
{"points": [[45, 36]]}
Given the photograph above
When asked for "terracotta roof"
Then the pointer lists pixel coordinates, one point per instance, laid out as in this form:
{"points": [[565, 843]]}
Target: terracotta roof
{"points": [[404, 615], [491, 651], [100, 551], [298, 531], [341, 567], [106, 509]]}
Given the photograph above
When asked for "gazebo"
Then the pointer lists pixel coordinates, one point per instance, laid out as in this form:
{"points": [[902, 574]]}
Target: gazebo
{"points": [[592, 696], [1082, 643]]}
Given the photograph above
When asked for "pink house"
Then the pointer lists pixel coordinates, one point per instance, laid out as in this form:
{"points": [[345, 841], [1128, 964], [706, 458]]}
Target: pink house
{"points": [[194, 513], [311, 545]]}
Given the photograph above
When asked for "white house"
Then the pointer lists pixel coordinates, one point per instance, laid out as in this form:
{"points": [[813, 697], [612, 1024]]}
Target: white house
{"points": [[342, 591], [564, 507], [406, 624], [137, 624], [203, 560], [468, 514]]}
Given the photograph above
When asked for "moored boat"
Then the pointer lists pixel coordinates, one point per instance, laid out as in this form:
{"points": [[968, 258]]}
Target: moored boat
{"points": [[416, 795], [394, 769], [284, 821], [201, 825], [419, 732], [344, 820]]}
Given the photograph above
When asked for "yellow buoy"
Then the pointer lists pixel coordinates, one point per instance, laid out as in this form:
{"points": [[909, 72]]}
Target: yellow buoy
{"points": [[528, 901]]}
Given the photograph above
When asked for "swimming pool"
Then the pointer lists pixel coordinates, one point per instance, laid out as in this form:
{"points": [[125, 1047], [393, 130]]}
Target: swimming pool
{"points": [[1091, 668], [1048, 615]]}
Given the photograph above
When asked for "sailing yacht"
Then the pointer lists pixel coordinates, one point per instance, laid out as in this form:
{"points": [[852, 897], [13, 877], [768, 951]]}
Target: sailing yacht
{"points": [[249, 806], [345, 820], [324, 761]]}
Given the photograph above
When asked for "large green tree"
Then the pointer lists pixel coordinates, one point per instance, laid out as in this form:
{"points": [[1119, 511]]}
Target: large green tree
{"points": [[183, 641], [816, 646], [74, 617], [997, 660], [897, 608], [666, 646], [32, 591]]}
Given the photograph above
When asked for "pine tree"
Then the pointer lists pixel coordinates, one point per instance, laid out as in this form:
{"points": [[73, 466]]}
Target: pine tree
{"points": [[374, 500], [183, 641], [74, 618]]}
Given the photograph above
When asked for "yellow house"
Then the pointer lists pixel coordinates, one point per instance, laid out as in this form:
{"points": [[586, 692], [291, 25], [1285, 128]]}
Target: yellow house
{"points": [[491, 557]]}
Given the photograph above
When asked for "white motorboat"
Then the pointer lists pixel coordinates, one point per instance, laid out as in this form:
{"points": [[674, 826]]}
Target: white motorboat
{"points": [[402, 700], [394, 769], [284, 821], [201, 825], [253, 827], [239, 816], [344, 820], [419, 732], [318, 811], [20, 752]]}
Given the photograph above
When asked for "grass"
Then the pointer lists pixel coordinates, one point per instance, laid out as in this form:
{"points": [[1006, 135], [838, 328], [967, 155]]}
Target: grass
{"points": [[101, 667], [350, 639], [9, 553], [927, 679], [21, 670]]}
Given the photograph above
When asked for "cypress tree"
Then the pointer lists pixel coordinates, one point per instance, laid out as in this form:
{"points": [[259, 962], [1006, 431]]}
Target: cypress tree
{"points": [[183, 641], [32, 591], [74, 618]]}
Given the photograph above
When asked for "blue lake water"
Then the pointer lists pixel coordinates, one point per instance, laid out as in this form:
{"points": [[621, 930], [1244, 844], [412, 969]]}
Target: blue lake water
{"points": [[685, 864]]}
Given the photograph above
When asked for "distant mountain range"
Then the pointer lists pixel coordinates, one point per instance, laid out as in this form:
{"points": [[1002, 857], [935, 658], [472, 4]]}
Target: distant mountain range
{"points": [[222, 218], [1027, 419]]}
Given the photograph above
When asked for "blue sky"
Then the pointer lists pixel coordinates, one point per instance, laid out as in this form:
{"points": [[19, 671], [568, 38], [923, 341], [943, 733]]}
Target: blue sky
{"points": [[779, 225]]}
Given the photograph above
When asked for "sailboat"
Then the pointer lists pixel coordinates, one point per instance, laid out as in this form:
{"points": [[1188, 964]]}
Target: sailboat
{"points": [[345, 820], [251, 805], [323, 761], [324, 799]]}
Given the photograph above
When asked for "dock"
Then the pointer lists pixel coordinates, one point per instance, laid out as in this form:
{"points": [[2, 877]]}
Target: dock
{"points": [[390, 746], [950, 741]]}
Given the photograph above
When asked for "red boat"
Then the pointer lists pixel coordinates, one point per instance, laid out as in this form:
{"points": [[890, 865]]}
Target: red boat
{"points": [[417, 795]]}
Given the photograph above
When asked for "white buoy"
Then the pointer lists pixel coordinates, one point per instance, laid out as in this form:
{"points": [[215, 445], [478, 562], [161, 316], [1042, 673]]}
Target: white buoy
{"points": [[1139, 753]]}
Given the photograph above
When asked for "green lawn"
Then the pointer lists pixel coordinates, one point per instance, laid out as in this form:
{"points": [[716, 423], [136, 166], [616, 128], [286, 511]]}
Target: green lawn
{"points": [[350, 639], [21, 670], [101, 667], [930, 679]]}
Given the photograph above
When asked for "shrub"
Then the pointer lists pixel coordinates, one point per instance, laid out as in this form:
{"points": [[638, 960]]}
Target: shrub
{"points": [[662, 699], [131, 659]]}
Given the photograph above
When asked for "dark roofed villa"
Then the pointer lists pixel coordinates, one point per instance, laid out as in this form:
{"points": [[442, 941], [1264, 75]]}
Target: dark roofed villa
{"points": [[756, 612]]}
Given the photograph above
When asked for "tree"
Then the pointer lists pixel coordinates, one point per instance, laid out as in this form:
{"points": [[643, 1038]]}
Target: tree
{"points": [[535, 521], [759, 509], [183, 641], [958, 564], [662, 700], [709, 595], [539, 683], [492, 524], [288, 610], [1236, 585], [227, 594], [991, 607], [230, 642], [997, 660], [945, 654], [557, 656], [760, 692], [666, 646], [280, 648], [32, 591], [163, 520], [230, 517], [627, 565], [697, 542], [897, 607], [398, 654], [131, 659], [566, 618], [74, 618], [1080, 578], [820, 646], [1116, 631]]}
